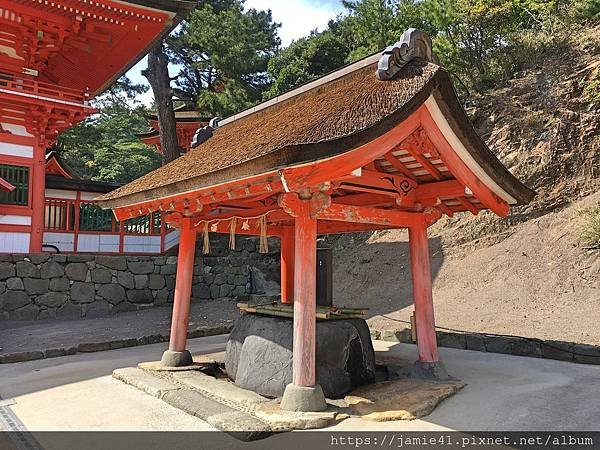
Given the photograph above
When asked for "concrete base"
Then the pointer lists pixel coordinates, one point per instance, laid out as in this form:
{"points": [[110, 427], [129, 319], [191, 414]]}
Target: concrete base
{"points": [[171, 358], [430, 371], [303, 398]]}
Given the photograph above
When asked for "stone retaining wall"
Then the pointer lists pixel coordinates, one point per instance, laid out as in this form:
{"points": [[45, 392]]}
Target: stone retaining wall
{"points": [[44, 286]]}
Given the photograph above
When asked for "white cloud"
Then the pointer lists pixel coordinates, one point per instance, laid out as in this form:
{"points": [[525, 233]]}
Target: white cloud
{"points": [[298, 18]]}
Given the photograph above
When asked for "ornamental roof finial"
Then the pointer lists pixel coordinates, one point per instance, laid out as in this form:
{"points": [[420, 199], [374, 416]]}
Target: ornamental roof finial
{"points": [[412, 44]]}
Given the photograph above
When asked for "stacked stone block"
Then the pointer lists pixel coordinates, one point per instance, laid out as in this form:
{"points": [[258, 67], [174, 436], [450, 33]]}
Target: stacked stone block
{"points": [[44, 286]]}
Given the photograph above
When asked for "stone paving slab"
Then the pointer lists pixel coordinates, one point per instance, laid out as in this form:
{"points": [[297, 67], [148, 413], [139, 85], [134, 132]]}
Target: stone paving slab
{"points": [[239, 424], [248, 416], [144, 381], [25, 341]]}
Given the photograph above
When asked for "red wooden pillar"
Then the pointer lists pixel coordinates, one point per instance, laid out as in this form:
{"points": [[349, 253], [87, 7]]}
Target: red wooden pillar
{"points": [[422, 295], [38, 198], [304, 394], [305, 297], [177, 355], [77, 224], [287, 265]]}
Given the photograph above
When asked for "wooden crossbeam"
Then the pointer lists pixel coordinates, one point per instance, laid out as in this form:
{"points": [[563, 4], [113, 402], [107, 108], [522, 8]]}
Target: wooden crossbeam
{"points": [[440, 189], [274, 215], [442, 207], [374, 216], [327, 227], [372, 200], [375, 182], [253, 229]]}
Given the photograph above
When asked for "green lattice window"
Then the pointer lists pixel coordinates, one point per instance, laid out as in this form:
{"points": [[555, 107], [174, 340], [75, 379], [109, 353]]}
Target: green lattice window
{"points": [[18, 176], [94, 218]]}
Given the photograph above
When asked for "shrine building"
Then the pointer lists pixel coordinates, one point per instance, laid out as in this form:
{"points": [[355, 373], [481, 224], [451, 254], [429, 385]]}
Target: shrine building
{"points": [[55, 57], [382, 143], [187, 122]]}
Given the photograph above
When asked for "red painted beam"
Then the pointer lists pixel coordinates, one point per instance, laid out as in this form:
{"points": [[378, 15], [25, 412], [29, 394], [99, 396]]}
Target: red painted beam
{"points": [[274, 214], [327, 227], [6, 186], [439, 189], [427, 165], [362, 214], [252, 228], [372, 200], [398, 165], [468, 205]]}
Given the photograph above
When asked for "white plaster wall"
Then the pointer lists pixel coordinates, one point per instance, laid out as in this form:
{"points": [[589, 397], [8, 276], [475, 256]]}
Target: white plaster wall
{"points": [[97, 243], [24, 151], [108, 243], [14, 220], [14, 242], [141, 244], [60, 193], [19, 130], [171, 239], [87, 196], [88, 243], [63, 241]]}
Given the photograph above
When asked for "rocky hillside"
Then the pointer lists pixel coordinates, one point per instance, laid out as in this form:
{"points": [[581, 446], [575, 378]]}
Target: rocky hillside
{"points": [[528, 274], [544, 126]]}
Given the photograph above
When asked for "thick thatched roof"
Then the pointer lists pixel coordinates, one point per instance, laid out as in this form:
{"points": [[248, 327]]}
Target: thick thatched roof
{"points": [[332, 118]]}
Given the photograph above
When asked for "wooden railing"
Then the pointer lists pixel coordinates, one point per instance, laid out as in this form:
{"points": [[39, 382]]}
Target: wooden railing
{"points": [[79, 217], [22, 86]]}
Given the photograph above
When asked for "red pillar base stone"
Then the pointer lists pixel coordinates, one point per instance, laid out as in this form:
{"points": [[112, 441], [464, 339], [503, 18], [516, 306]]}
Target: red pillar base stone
{"points": [[171, 358], [303, 398]]}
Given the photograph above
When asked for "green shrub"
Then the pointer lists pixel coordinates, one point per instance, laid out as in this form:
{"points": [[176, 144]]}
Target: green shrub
{"points": [[590, 229], [591, 88]]}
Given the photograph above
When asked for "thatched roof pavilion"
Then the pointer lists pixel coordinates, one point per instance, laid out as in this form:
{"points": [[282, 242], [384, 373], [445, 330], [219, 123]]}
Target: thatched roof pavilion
{"points": [[382, 143]]}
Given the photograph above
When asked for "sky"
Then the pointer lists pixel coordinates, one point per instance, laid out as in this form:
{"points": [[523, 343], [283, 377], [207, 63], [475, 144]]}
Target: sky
{"points": [[297, 18]]}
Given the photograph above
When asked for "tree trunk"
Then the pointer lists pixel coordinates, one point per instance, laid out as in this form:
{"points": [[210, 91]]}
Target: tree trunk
{"points": [[157, 74]]}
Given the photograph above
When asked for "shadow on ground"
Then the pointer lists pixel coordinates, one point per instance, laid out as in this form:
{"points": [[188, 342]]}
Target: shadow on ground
{"points": [[389, 289]]}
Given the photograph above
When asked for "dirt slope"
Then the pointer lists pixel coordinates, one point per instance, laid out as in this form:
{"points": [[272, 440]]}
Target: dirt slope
{"points": [[527, 274], [537, 282]]}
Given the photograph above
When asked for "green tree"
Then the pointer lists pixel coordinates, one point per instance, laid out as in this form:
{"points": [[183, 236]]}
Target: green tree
{"points": [[105, 147], [306, 59], [472, 36], [223, 50], [371, 25]]}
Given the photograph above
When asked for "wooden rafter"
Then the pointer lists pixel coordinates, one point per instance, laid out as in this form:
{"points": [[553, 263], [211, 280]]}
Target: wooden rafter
{"points": [[459, 169], [398, 165], [468, 205]]}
